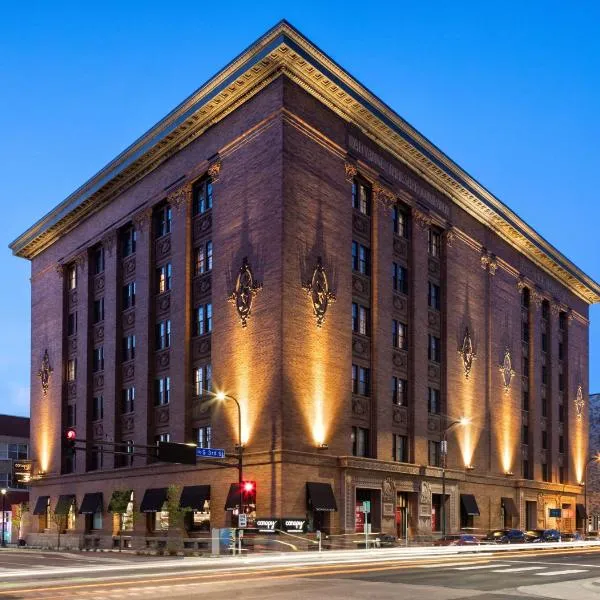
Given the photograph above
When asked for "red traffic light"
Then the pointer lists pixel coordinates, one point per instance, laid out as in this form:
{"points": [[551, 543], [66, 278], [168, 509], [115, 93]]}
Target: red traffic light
{"points": [[248, 486], [70, 434]]}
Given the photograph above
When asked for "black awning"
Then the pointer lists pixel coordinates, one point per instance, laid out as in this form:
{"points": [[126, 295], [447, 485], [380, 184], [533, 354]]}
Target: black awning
{"points": [[469, 505], [580, 510], [117, 498], [510, 508], [41, 505], [91, 503], [64, 504], [319, 496], [194, 496], [233, 497], [153, 500]]}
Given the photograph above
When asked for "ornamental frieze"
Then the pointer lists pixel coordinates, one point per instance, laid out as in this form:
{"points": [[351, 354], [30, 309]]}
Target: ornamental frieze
{"points": [[246, 288], [579, 403], [180, 197], [467, 353], [350, 172], [385, 196], [507, 370], [44, 373], [319, 292], [489, 262]]}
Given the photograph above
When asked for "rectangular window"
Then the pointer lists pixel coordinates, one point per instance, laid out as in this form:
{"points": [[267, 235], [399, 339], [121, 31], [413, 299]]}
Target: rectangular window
{"points": [[400, 278], [72, 277], [71, 415], [203, 319], [98, 260], [128, 241], [434, 402], [545, 310], [361, 383], [203, 197], [435, 348], [360, 319], [525, 298], [163, 278], [360, 441], [401, 448], [544, 407], [544, 374], [400, 218], [72, 323], [128, 348], [561, 475], [562, 320], [162, 220], [163, 334], [525, 332], [96, 458], [544, 440], [399, 335], [361, 258], [434, 243], [203, 436], [98, 359], [203, 258], [433, 296], [162, 391], [98, 310], [71, 369], [544, 342], [525, 398], [525, 434], [162, 437], [561, 444], [545, 472], [561, 382], [399, 391], [97, 408], [561, 351], [435, 458], [525, 469], [128, 400], [561, 413], [128, 295], [361, 197], [202, 380]]}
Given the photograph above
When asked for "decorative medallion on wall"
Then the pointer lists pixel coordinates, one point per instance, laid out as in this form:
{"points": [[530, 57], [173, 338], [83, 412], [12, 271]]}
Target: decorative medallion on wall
{"points": [[467, 353], [507, 370], [45, 372], [245, 290], [320, 294], [579, 403]]}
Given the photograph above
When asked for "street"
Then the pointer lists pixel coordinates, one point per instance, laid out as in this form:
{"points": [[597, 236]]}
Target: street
{"points": [[540, 573]]}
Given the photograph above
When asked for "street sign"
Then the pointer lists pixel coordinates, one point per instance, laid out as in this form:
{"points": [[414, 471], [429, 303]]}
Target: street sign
{"points": [[366, 506], [210, 453], [242, 520]]}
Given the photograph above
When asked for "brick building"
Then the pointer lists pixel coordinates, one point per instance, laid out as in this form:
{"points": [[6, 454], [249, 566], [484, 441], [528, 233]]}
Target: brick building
{"points": [[592, 480], [209, 254]]}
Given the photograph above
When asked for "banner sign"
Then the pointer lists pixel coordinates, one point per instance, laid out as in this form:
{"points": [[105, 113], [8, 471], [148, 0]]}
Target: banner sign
{"points": [[22, 471]]}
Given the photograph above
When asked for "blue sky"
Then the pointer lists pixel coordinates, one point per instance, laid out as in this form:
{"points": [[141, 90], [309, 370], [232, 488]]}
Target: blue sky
{"points": [[509, 90]]}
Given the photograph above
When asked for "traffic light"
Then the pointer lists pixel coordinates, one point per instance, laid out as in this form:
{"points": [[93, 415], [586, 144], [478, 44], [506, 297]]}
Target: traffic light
{"points": [[248, 493], [69, 440]]}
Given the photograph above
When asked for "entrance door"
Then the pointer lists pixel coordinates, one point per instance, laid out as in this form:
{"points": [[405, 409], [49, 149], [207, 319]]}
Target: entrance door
{"points": [[401, 515], [530, 515]]}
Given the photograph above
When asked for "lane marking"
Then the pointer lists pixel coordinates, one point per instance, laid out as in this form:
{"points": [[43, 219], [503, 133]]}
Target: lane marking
{"points": [[442, 565], [565, 572], [518, 569], [489, 566]]}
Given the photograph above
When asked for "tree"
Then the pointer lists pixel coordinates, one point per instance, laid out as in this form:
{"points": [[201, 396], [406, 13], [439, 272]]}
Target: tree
{"points": [[18, 516], [176, 514], [60, 520], [119, 505]]}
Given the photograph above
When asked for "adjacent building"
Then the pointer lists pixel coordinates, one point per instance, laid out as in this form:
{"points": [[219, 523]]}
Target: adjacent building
{"points": [[285, 237]]}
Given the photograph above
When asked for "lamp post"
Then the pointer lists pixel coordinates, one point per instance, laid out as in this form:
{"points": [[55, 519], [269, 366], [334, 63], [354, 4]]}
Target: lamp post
{"points": [[593, 459], [3, 492], [444, 453]]}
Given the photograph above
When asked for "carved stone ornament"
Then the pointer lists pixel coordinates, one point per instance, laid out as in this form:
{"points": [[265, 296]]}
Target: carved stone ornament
{"points": [[579, 403], [388, 489], [488, 261], [450, 236], [421, 219], [351, 171], [214, 171], [467, 353], [507, 371], [180, 196], [245, 290], [318, 291], [385, 196], [45, 372]]}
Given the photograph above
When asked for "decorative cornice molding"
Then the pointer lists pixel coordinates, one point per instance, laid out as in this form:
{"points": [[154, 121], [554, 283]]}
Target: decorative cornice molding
{"points": [[109, 241], [422, 219], [180, 197], [385, 196], [141, 219]]}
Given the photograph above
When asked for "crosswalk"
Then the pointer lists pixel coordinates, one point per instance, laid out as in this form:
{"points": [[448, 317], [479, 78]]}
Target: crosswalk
{"points": [[542, 570]]}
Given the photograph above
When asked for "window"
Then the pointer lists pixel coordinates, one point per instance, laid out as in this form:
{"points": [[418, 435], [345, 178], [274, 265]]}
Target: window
{"points": [[97, 408], [361, 383], [163, 278], [562, 320], [561, 382], [71, 369], [545, 310], [129, 295], [98, 359], [98, 260], [203, 319], [524, 434], [435, 243], [203, 197], [72, 277], [128, 347], [525, 298], [433, 296], [360, 319], [400, 218], [98, 310], [400, 448], [525, 365], [128, 240], [5, 480], [361, 197], [525, 398], [203, 436], [71, 415], [163, 334], [544, 342], [399, 335], [399, 391], [128, 400], [545, 472], [202, 380], [561, 475], [162, 220], [544, 374], [96, 458], [361, 258], [203, 258], [17, 451], [434, 403], [561, 351], [525, 331], [544, 440], [400, 278], [360, 441], [525, 469], [129, 448], [435, 348], [72, 323], [544, 407], [435, 458], [162, 391], [561, 443], [162, 437], [561, 413]]}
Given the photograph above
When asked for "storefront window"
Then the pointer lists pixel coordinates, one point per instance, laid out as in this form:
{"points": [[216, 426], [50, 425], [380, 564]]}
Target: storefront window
{"points": [[201, 519], [97, 520], [71, 517], [128, 516], [161, 520]]}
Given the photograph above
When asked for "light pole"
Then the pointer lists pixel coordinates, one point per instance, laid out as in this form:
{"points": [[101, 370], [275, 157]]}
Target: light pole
{"points": [[444, 453], [593, 459], [3, 492]]}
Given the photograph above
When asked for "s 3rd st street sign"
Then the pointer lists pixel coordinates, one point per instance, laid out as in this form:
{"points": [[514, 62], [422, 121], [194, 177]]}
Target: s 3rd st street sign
{"points": [[210, 453]]}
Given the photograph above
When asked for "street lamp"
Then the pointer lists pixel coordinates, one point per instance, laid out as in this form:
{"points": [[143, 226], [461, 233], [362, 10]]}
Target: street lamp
{"points": [[444, 453], [593, 459], [3, 492]]}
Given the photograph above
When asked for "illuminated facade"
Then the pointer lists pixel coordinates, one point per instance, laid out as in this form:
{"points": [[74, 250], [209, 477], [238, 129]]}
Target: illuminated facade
{"points": [[285, 237]]}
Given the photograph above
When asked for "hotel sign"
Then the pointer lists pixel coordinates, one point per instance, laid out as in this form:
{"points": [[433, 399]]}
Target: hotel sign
{"points": [[22, 471], [286, 524]]}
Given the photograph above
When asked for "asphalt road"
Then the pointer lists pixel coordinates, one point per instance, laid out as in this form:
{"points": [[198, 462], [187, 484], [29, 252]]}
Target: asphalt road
{"points": [[544, 573]]}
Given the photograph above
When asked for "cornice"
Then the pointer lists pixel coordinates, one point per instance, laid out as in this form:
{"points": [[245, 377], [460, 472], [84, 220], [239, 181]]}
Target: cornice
{"points": [[283, 50]]}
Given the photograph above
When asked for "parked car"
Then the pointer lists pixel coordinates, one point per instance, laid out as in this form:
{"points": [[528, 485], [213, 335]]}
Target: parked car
{"points": [[537, 536], [505, 536], [459, 539], [575, 536]]}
